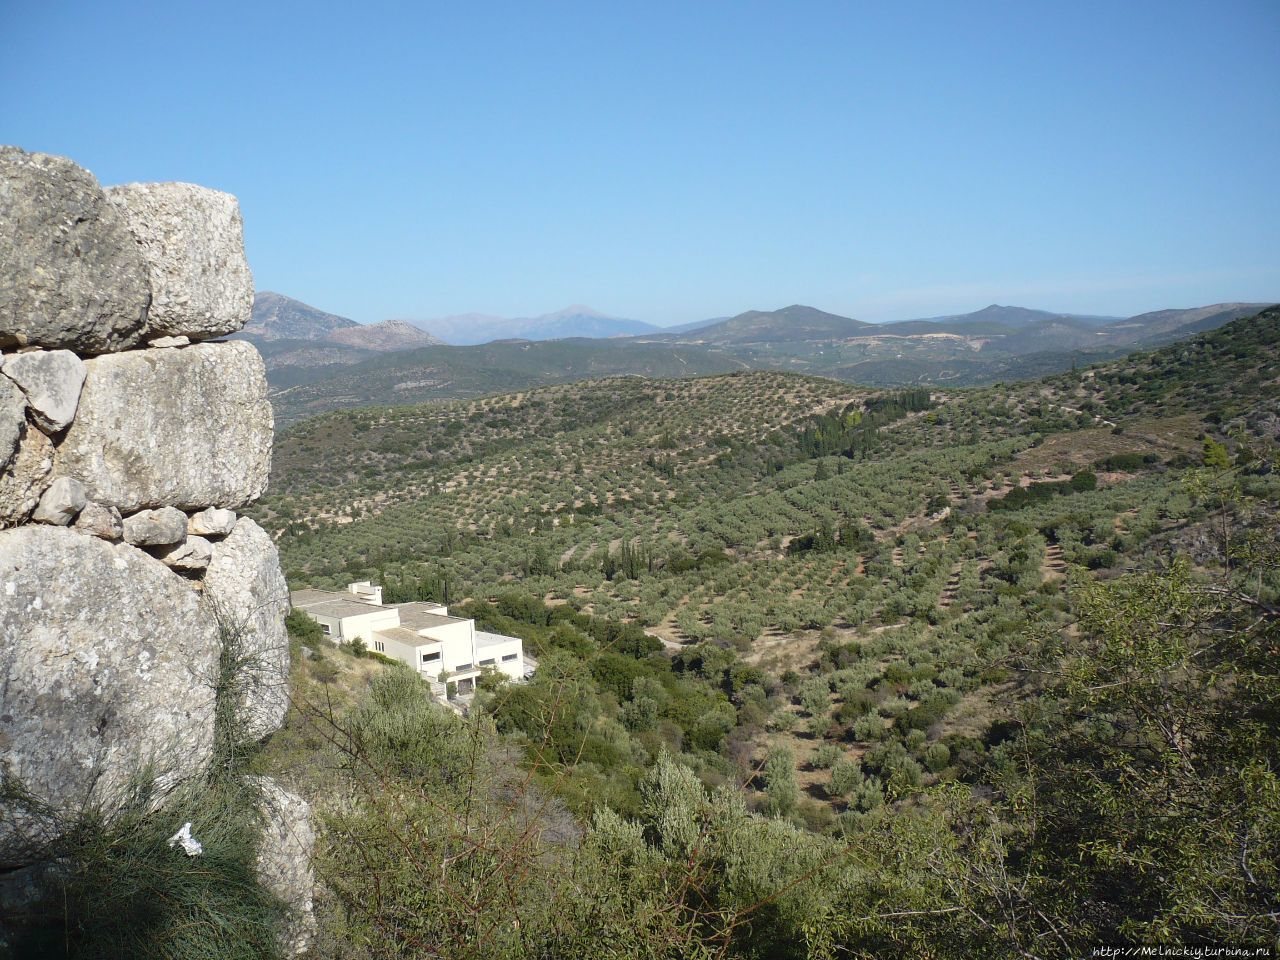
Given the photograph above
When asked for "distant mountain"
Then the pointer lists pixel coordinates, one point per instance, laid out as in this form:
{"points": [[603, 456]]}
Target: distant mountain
{"points": [[1162, 325], [572, 321], [290, 333], [277, 317], [794, 323], [692, 325], [1014, 318], [384, 336]]}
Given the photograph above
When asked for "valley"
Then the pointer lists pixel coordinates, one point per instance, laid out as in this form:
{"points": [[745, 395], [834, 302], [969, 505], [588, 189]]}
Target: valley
{"points": [[837, 574]]}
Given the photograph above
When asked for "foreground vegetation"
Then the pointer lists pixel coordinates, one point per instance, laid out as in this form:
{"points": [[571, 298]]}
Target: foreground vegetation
{"points": [[822, 672]]}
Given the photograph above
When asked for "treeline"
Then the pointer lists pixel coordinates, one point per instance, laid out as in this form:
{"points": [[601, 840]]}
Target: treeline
{"points": [[850, 535], [852, 431], [1044, 491]]}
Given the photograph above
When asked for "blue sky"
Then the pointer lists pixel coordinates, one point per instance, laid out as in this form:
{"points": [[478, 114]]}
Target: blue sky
{"points": [[676, 161]]}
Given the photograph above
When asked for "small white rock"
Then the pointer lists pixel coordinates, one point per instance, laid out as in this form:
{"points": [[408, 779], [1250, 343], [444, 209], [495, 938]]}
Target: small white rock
{"points": [[161, 342]]}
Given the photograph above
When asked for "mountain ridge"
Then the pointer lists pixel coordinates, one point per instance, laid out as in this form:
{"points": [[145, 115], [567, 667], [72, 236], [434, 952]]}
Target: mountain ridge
{"points": [[575, 320]]}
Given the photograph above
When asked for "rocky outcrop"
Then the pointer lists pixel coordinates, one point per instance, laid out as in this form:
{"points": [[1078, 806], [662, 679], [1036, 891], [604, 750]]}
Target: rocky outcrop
{"points": [[247, 591], [124, 664], [192, 243], [188, 427], [112, 685], [284, 858], [71, 274]]}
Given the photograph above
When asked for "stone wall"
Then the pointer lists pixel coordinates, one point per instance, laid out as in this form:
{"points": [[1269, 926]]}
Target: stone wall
{"points": [[128, 438]]}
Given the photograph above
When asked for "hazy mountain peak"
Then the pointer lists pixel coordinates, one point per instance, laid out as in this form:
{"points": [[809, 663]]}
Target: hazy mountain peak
{"points": [[575, 320], [277, 317]]}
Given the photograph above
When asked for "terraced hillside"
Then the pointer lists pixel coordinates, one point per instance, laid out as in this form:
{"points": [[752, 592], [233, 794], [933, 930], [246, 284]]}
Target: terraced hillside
{"points": [[881, 557], [440, 373]]}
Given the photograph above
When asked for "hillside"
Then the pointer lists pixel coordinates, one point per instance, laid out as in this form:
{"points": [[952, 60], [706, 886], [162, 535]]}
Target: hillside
{"points": [[835, 611], [384, 336], [1014, 317], [796, 322], [1170, 324], [447, 372], [988, 345]]}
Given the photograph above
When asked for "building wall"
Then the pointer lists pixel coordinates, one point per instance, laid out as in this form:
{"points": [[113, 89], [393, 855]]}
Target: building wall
{"points": [[363, 625], [513, 668], [457, 640]]}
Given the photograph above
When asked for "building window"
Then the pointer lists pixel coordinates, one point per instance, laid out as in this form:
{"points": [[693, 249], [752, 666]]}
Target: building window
{"points": [[509, 657], [431, 657], [487, 663], [379, 646], [463, 666], [327, 628]]}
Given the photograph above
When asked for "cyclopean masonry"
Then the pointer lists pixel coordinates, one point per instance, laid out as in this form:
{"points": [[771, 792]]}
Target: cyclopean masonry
{"points": [[129, 437]]}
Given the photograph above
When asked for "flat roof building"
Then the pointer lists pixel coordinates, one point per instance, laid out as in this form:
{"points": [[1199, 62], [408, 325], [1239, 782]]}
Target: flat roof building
{"points": [[441, 648]]}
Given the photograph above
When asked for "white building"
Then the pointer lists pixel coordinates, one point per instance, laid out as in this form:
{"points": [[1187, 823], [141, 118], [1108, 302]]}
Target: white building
{"points": [[423, 635]]}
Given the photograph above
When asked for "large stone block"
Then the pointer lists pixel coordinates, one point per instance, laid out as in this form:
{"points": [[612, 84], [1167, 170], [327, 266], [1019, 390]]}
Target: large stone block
{"points": [[246, 590], [71, 274], [27, 477], [51, 381], [192, 242], [106, 677], [161, 527], [188, 427], [284, 860]]}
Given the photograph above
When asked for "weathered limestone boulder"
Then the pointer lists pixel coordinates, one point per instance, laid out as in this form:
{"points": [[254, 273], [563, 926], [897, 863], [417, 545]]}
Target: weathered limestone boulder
{"points": [[25, 480], [12, 416], [161, 527], [71, 274], [99, 520], [192, 241], [193, 553], [284, 859], [246, 590], [106, 676], [51, 381], [61, 503], [189, 428], [213, 522]]}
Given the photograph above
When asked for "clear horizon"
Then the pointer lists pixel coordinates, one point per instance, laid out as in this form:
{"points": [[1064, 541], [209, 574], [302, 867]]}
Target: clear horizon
{"points": [[671, 162]]}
